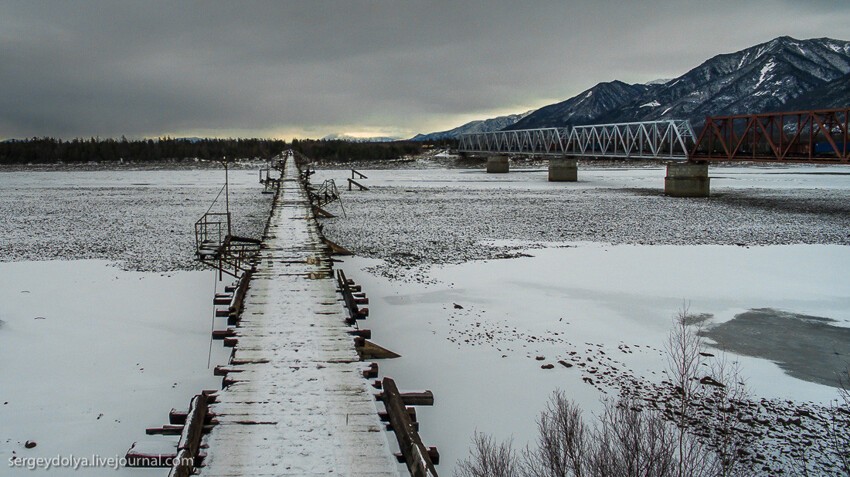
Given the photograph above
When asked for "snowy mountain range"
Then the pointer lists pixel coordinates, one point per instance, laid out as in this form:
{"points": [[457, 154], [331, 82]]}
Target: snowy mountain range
{"points": [[831, 95], [758, 79], [347, 138], [494, 124], [584, 108], [782, 74]]}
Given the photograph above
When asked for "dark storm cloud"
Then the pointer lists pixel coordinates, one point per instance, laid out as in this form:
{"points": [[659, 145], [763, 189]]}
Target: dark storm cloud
{"points": [[312, 67]]}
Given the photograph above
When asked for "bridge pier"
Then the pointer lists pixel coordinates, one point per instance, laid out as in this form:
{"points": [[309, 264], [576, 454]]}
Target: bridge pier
{"points": [[687, 179], [497, 164], [563, 169]]}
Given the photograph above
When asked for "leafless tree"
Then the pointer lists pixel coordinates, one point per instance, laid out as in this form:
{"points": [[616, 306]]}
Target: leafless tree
{"points": [[839, 435], [684, 360], [727, 392]]}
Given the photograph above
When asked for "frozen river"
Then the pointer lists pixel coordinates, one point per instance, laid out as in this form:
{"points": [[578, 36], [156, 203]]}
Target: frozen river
{"points": [[104, 317], [477, 280], [476, 329]]}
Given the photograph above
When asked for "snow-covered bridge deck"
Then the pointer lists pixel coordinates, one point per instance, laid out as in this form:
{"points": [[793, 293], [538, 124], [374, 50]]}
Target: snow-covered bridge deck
{"points": [[300, 405]]}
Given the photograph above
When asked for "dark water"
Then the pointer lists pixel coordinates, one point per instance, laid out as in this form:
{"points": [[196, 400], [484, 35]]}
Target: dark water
{"points": [[806, 347]]}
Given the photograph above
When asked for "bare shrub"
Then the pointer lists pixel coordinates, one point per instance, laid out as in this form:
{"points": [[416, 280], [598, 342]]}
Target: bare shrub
{"points": [[562, 442], [628, 441], [489, 459], [727, 392], [684, 360], [706, 395], [839, 437]]}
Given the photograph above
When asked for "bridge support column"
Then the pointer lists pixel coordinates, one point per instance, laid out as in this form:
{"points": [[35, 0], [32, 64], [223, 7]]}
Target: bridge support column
{"points": [[563, 169], [497, 164], [687, 179]]}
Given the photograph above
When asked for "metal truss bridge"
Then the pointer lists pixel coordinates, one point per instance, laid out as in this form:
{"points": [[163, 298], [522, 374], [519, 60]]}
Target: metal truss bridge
{"points": [[669, 139], [818, 136]]}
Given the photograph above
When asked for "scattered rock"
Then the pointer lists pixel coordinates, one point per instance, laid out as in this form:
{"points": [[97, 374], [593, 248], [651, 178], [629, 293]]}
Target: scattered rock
{"points": [[709, 381], [457, 307], [547, 366], [30, 444]]}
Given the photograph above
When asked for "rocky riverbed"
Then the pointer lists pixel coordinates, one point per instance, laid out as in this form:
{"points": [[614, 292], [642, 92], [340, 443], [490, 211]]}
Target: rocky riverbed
{"points": [[597, 315], [141, 219]]}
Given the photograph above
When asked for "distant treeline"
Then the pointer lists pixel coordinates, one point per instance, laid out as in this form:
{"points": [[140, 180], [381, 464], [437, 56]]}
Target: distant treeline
{"points": [[50, 150], [337, 150]]}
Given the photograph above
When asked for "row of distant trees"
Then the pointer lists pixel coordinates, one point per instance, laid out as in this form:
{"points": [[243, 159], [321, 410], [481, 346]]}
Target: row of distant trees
{"points": [[336, 150], [51, 150]]}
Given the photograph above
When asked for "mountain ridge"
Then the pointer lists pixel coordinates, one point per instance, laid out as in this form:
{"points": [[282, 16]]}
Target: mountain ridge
{"points": [[761, 78], [348, 138], [781, 74], [479, 125], [585, 107]]}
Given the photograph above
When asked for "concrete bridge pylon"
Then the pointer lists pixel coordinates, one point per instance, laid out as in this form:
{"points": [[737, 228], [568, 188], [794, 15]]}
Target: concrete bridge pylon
{"points": [[498, 164], [563, 169], [687, 179]]}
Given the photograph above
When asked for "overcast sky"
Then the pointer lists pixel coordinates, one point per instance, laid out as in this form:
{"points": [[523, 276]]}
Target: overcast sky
{"points": [[309, 68]]}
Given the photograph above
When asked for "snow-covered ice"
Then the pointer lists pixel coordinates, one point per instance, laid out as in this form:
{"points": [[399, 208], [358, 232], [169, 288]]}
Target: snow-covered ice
{"points": [[92, 355], [585, 298], [596, 270], [142, 219], [476, 328], [104, 327]]}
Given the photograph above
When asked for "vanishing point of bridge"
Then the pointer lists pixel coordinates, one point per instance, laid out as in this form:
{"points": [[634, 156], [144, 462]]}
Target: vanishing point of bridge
{"points": [[819, 137]]}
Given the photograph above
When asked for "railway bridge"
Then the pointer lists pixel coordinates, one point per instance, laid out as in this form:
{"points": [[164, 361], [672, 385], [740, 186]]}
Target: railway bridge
{"points": [[818, 136]]}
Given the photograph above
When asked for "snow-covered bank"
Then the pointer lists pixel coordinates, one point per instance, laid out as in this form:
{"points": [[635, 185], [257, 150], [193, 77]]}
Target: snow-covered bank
{"points": [[95, 351], [604, 310], [142, 219], [600, 267], [421, 217], [92, 355]]}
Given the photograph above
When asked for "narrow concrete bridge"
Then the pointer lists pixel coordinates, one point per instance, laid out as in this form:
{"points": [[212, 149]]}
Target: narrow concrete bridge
{"points": [[803, 136]]}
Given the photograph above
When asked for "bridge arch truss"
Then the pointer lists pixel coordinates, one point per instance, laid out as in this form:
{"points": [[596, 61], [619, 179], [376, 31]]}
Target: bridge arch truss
{"points": [[669, 139]]}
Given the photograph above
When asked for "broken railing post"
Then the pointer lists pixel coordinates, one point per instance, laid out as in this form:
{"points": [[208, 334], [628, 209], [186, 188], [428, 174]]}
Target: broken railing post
{"points": [[190, 439], [415, 454]]}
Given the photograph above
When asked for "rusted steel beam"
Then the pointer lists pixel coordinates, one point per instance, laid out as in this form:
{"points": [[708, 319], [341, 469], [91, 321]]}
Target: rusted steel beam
{"points": [[817, 137]]}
